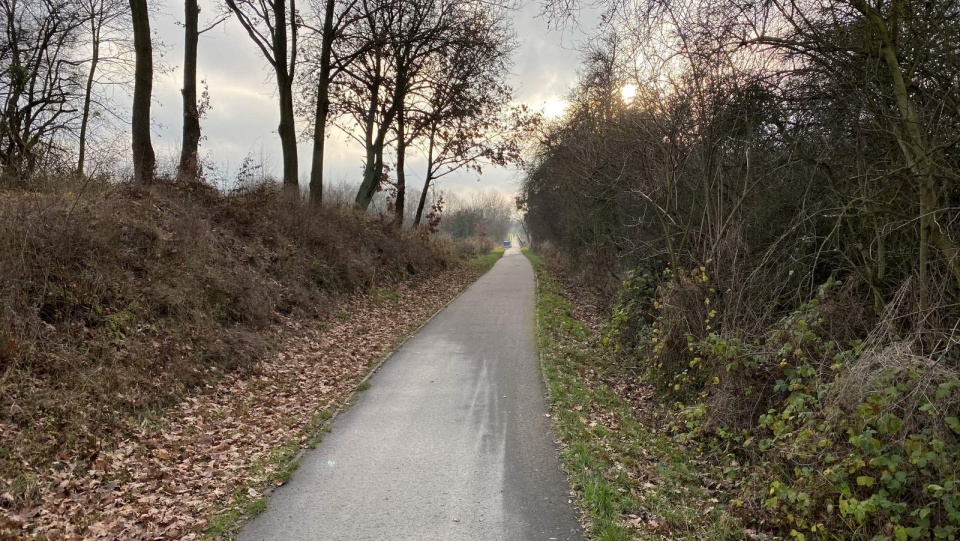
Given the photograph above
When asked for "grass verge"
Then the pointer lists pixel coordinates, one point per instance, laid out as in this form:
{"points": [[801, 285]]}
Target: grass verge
{"points": [[632, 482], [484, 262], [250, 499]]}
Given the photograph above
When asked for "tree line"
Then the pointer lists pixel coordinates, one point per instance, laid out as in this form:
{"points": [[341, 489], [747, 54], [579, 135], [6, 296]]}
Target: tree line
{"points": [[766, 197], [780, 142], [425, 76]]}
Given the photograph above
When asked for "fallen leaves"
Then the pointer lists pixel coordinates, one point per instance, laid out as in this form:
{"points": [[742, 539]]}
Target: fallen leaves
{"points": [[650, 523], [167, 478]]}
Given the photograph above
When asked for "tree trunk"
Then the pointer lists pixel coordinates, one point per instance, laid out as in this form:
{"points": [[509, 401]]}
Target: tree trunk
{"points": [[144, 160], [400, 203], [323, 106], [372, 172], [362, 201], [88, 96], [371, 175], [288, 133], [284, 69], [189, 153], [426, 182]]}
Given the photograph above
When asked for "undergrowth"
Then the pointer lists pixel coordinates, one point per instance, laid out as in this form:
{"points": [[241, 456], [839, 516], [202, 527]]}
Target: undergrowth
{"points": [[117, 301], [831, 434], [632, 480]]}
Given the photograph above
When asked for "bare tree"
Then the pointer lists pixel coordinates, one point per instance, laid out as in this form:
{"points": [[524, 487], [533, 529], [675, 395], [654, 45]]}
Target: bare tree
{"points": [[105, 20], [364, 92], [487, 215], [273, 25], [387, 89], [40, 81], [393, 39], [460, 116], [321, 70]]}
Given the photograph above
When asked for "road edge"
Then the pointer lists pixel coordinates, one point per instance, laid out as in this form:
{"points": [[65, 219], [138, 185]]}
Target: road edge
{"points": [[326, 424]]}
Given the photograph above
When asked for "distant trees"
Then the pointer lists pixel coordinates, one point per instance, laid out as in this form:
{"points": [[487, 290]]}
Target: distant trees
{"points": [[489, 215]]}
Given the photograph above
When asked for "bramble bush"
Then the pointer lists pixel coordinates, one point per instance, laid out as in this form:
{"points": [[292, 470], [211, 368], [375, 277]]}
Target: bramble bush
{"points": [[830, 439]]}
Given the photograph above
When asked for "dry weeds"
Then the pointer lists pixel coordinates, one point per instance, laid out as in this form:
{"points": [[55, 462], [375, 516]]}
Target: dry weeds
{"points": [[165, 479]]}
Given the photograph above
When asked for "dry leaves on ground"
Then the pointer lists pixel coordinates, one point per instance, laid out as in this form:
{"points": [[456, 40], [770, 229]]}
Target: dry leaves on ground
{"points": [[165, 480]]}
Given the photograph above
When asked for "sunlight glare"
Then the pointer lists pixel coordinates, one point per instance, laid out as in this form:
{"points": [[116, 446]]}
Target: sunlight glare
{"points": [[554, 107], [628, 92]]}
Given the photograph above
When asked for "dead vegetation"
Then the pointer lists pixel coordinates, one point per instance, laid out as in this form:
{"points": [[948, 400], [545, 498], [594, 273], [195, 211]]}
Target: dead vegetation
{"points": [[118, 300], [201, 467]]}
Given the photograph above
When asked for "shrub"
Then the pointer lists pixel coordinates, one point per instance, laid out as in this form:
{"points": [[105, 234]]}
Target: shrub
{"points": [[831, 439]]}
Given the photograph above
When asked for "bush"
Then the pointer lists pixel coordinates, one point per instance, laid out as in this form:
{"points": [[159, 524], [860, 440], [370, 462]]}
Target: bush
{"points": [[463, 248], [831, 437]]}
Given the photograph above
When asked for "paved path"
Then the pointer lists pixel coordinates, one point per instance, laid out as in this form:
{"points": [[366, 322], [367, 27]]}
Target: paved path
{"points": [[451, 442]]}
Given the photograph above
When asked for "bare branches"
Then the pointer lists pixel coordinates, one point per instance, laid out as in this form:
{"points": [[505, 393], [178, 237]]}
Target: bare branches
{"points": [[40, 82], [274, 26], [764, 136]]}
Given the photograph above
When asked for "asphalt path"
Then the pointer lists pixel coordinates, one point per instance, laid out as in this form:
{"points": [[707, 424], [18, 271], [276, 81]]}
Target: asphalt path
{"points": [[450, 442]]}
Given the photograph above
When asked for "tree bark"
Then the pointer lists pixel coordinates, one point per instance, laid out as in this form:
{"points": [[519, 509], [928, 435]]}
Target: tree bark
{"points": [[144, 159], [323, 106], [401, 174], [189, 152], [285, 73], [426, 182], [88, 95]]}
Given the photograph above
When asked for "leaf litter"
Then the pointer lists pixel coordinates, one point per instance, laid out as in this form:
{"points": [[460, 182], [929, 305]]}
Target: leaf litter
{"points": [[167, 478]]}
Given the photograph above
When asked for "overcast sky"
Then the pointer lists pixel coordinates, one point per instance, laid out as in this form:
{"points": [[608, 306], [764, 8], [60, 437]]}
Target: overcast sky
{"points": [[244, 114]]}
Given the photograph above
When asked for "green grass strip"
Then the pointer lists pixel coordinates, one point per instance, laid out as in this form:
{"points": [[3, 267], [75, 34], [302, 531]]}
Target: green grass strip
{"points": [[631, 482], [484, 262]]}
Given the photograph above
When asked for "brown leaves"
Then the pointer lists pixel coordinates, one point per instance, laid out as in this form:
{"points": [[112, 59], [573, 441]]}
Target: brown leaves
{"points": [[650, 523], [165, 479]]}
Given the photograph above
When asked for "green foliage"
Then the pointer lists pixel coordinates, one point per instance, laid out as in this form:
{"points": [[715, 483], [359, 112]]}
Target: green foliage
{"points": [[606, 449], [831, 441], [628, 326]]}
